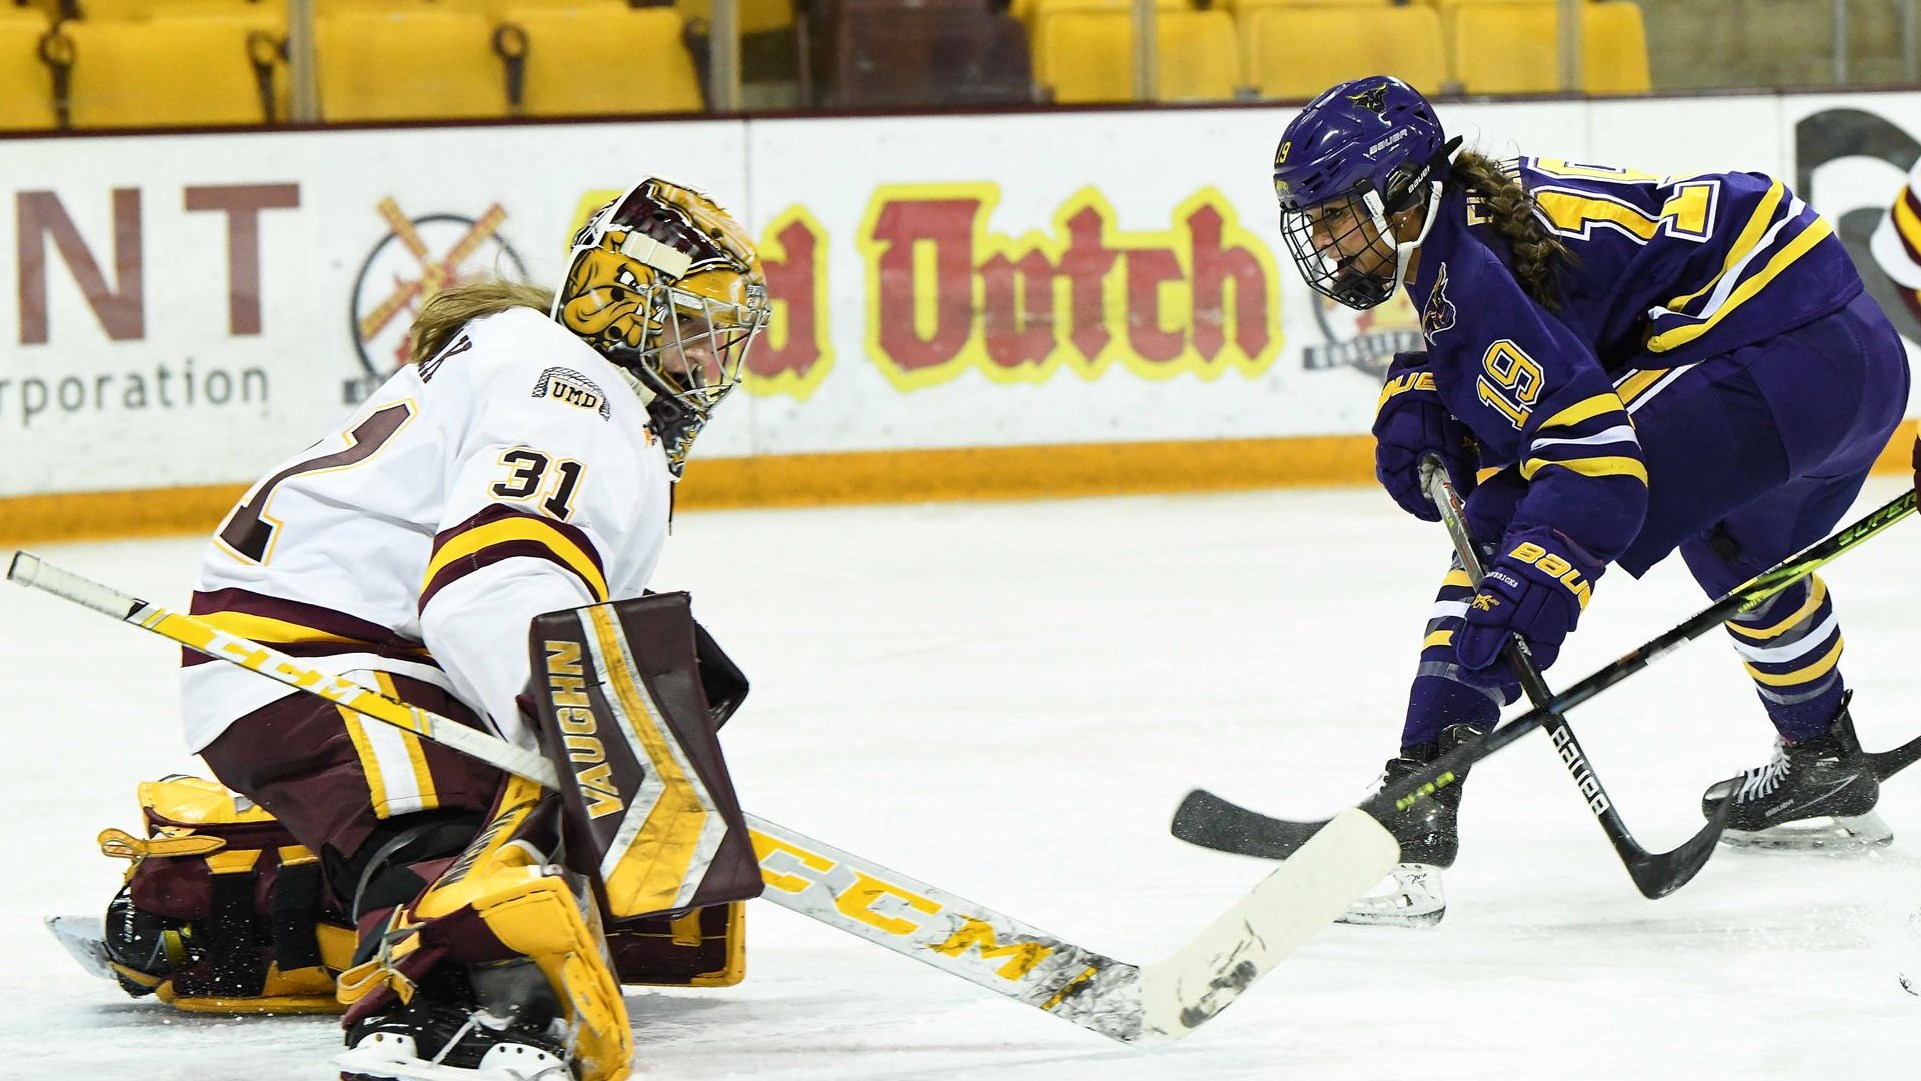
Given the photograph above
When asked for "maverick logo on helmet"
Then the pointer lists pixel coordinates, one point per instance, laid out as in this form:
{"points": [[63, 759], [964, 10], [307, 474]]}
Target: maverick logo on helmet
{"points": [[667, 286], [1373, 99]]}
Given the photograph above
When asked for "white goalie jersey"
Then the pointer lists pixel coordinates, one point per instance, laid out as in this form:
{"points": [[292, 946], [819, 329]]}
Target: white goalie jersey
{"points": [[511, 474]]}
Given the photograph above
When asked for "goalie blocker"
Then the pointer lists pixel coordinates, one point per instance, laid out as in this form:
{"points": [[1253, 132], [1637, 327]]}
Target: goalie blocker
{"points": [[628, 697]]}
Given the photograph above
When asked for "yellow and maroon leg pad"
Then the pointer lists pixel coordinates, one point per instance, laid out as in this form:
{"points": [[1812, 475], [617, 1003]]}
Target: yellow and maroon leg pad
{"points": [[706, 947], [222, 910], [500, 901]]}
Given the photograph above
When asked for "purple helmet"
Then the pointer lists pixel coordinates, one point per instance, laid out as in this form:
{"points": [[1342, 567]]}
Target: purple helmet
{"points": [[1358, 154]]}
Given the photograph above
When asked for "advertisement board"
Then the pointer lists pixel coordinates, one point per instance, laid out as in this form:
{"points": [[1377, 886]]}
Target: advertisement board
{"points": [[997, 293]]}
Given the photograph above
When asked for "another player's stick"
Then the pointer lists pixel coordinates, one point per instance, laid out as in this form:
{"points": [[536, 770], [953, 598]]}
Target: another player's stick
{"points": [[1655, 874], [1131, 1003], [1212, 822]]}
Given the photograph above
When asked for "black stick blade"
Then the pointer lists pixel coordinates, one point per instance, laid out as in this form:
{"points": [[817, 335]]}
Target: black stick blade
{"points": [[1209, 821], [1889, 763], [1659, 874]]}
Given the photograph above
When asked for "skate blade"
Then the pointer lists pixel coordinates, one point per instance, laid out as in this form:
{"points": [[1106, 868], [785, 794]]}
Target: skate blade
{"points": [[1410, 896], [84, 937], [1831, 834]]}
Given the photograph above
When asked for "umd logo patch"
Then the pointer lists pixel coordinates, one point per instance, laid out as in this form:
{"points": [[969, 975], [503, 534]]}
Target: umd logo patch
{"points": [[571, 387]]}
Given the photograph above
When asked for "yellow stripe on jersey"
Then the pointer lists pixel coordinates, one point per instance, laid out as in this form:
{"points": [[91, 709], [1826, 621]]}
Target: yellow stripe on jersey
{"points": [[1750, 236], [1585, 409], [391, 795], [1637, 384], [520, 528], [1438, 638], [1604, 466], [416, 754], [1815, 596], [1456, 577], [1802, 675], [1796, 248]]}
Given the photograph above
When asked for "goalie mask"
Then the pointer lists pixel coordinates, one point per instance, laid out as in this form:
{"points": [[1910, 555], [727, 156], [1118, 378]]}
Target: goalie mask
{"points": [[667, 286], [1359, 154]]}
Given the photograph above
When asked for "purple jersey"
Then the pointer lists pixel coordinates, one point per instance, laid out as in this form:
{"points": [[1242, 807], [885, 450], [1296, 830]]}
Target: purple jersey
{"points": [[1665, 273]]}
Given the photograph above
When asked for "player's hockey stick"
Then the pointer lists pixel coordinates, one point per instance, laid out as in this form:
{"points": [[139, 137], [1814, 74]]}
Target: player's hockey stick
{"points": [[1207, 820], [1654, 874], [1131, 1003]]}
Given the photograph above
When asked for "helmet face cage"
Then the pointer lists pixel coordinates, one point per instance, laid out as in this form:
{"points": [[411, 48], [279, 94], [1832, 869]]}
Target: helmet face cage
{"points": [[696, 358], [664, 284], [1344, 247]]}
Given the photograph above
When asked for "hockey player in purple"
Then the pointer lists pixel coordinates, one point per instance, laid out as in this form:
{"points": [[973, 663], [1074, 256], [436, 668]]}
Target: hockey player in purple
{"points": [[1651, 364]]}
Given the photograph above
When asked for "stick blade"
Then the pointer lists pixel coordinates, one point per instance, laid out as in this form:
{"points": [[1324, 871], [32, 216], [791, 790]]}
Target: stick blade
{"points": [[1342, 861], [1659, 874], [1209, 821]]}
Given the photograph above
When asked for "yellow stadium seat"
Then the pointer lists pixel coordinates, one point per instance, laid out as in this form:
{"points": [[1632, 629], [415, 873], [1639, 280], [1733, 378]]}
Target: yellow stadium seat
{"points": [[1088, 55], [26, 83], [1297, 51], [1511, 47], [170, 71], [496, 8], [643, 45], [408, 64], [147, 9], [756, 16], [1028, 11]]}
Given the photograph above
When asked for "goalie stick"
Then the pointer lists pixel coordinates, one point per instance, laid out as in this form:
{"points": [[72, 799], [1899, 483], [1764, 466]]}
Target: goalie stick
{"points": [[1655, 874], [1164, 1000], [1207, 820]]}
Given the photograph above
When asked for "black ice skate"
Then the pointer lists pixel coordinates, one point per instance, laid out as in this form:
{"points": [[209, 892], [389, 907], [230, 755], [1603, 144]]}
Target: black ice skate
{"points": [[1817, 795], [1412, 895], [444, 1034]]}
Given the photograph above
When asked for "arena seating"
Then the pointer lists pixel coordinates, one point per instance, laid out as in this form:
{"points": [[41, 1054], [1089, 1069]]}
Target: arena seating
{"points": [[158, 63], [1085, 53], [1296, 49], [635, 54], [1510, 47], [26, 86], [168, 72], [407, 63], [882, 53]]}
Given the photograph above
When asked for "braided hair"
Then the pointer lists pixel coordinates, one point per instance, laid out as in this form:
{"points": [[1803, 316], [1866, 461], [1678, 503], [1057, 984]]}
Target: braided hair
{"points": [[1537, 253]]}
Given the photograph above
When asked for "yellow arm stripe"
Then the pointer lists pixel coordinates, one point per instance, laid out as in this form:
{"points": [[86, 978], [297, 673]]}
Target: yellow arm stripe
{"points": [[1750, 235], [1634, 385], [518, 528], [1585, 409], [1802, 675], [1456, 577], [1438, 638], [1796, 248], [1815, 596], [1605, 466]]}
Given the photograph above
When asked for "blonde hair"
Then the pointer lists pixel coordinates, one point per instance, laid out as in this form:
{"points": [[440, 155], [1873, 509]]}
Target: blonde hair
{"points": [[1510, 209], [447, 311]]}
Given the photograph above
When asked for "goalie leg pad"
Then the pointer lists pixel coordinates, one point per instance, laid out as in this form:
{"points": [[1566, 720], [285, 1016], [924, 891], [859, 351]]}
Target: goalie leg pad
{"points": [[499, 904], [221, 910]]}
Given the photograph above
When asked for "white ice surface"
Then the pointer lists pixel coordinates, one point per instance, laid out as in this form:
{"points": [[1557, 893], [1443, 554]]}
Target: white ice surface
{"points": [[1008, 700]]}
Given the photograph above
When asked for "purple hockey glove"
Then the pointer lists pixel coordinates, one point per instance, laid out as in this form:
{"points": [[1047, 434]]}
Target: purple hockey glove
{"points": [[1412, 422], [1537, 590]]}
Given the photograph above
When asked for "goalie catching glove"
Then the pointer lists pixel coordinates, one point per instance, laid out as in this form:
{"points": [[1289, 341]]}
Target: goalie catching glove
{"points": [[1538, 591]]}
